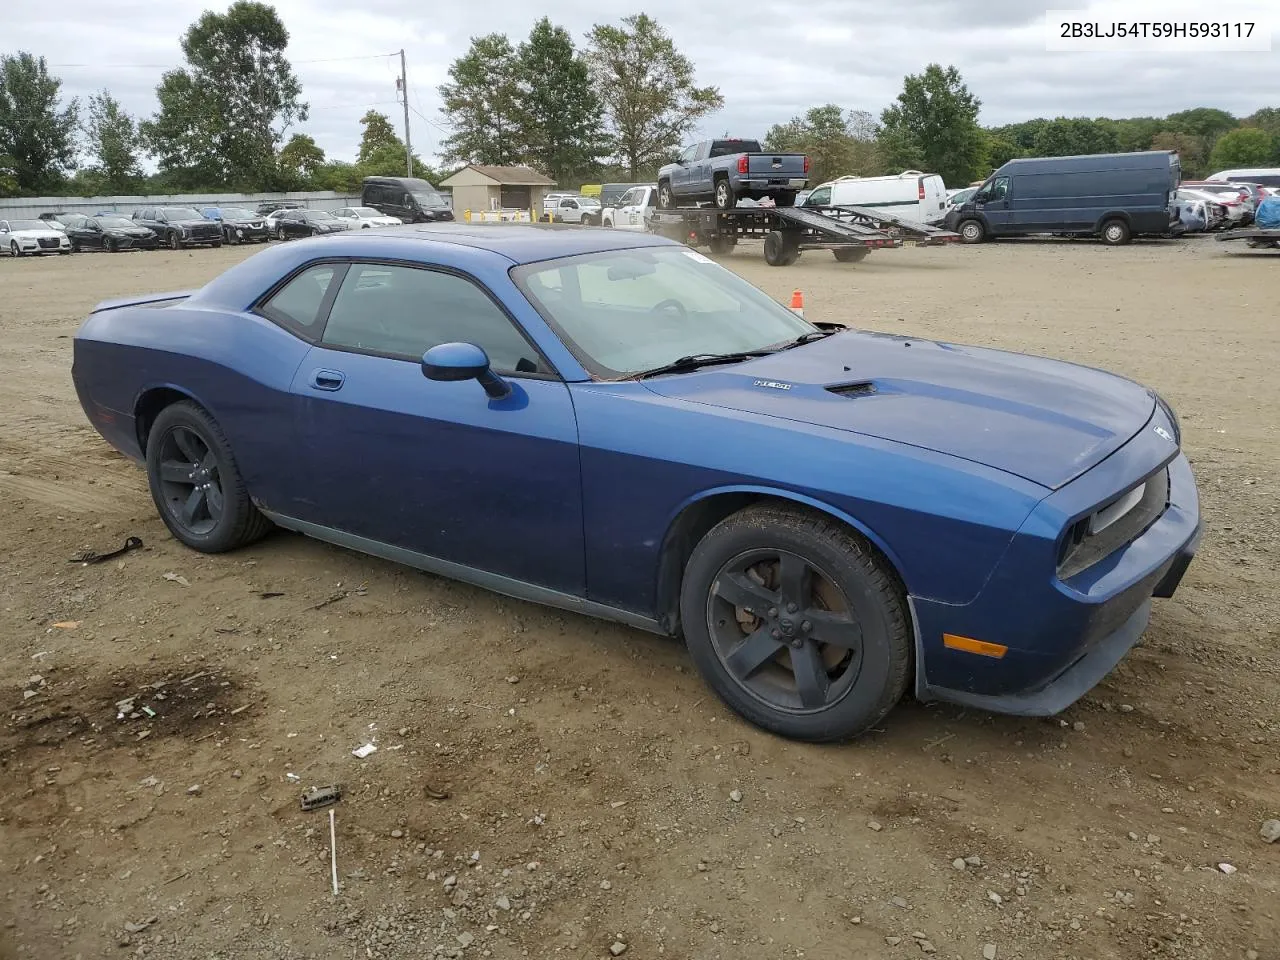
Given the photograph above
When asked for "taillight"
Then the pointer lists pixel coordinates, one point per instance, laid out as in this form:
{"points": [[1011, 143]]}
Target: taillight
{"points": [[806, 164], [920, 193], [742, 163]]}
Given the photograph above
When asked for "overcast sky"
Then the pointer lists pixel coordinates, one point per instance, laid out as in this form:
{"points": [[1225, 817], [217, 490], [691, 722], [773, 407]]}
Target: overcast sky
{"points": [[771, 59]]}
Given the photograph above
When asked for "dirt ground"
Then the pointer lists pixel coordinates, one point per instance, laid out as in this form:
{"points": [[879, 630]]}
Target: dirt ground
{"points": [[551, 786]]}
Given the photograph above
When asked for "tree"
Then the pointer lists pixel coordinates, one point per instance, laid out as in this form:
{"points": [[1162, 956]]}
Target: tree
{"points": [[338, 176], [1206, 122], [1132, 133], [1245, 147], [1073, 136], [837, 143], [223, 116], [37, 134], [301, 155], [559, 108], [934, 127], [482, 105], [378, 133], [1189, 148], [113, 144], [647, 87], [8, 176], [1268, 119]]}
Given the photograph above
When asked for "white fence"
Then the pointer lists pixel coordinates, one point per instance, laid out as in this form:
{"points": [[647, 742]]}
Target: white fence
{"points": [[29, 208]]}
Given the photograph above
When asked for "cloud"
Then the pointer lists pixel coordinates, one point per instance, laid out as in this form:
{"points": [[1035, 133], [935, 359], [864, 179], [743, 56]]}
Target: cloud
{"points": [[771, 60]]}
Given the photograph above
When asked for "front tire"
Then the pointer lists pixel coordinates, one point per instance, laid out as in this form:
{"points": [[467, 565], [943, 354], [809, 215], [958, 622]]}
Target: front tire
{"points": [[15, 251], [797, 623], [722, 246], [196, 484], [666, 199], [281, 235], [850, 254], [779, 249], [972, 231], [175, 241], [109, 245]]}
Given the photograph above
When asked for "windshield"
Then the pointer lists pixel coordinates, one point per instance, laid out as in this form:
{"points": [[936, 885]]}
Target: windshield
{"points": [[587, 201], [236, 213], [427, 200], [364, 212], [622, 312], [318, 215], [181, 213], [16, 225], [115, 223]]}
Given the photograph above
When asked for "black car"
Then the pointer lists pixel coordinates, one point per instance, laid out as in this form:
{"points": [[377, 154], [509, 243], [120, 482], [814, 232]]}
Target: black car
{"points": [[239, 225], [410, 199], [179, 227], [307, 223], [111, 232]]}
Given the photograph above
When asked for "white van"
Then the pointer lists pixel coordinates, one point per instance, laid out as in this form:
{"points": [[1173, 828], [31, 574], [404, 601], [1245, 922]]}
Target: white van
{"points": [[632, 206], [1263, 176], [912, 195]]}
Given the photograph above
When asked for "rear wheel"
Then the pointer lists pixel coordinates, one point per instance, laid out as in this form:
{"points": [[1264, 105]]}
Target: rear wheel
{"points": [[797, 623], [1115, 233], [779, 249], [280, 234], [850, 254], [196, 484], [971, 231], [723, 195], [666, 199], [108, 245]]}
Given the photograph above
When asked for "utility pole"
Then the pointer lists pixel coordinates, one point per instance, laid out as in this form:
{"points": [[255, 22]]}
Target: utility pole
{"points": [[404, 93]]}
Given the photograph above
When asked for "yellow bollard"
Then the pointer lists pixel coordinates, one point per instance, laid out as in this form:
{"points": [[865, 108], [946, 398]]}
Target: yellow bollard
{"points": [[466, 215]]}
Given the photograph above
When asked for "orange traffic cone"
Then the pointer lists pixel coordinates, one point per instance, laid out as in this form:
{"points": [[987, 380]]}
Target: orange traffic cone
{"points": [[797, 303]]}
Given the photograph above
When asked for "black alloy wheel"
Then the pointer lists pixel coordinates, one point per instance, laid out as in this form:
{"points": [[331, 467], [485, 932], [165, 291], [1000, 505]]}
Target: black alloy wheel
{"points": [[175, 241], [797, 623], [196, 484]]}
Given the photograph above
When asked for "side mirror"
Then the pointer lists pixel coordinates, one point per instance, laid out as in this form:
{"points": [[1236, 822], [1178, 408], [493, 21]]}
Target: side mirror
{"points": [[450, 362]]}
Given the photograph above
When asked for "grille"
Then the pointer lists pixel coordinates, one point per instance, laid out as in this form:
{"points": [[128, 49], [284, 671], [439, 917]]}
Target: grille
{"points": [[1082, 548], [48, 243]]}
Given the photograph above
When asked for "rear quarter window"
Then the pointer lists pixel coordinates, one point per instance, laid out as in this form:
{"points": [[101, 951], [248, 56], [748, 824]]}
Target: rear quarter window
{"points": [[298, 306]]}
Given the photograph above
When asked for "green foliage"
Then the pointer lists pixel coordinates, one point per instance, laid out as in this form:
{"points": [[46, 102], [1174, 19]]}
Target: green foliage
{"points": [[648, 90], [1133, 133], [378, 133], [301, 155], [1268, 119], [838, 143], [337, 176], [382, 153], [1206, 122], [1245, 147], [559, 109], [223, 116], [1190, 149], [8, 176], [482, 102], [37, 133], [933, 126], [998, 149], [1071, 136], [112, 137]]}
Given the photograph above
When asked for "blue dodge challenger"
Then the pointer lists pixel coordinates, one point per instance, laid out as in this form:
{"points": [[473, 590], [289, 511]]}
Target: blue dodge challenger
{"points": [[619, 426]]}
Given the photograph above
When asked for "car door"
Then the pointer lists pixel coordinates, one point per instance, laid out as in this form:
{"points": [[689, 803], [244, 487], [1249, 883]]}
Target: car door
{"points": [[438, 468], [995, 206], [681, 175], [568, 211], [88, 235]]}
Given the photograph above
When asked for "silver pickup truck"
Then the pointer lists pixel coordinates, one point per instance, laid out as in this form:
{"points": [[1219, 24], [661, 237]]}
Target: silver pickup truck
{"points": [[728, 170]]}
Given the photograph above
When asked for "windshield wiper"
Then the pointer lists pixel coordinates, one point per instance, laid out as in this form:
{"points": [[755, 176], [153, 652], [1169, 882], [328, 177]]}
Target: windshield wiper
{"points": [[696, 360], [809, 337]]}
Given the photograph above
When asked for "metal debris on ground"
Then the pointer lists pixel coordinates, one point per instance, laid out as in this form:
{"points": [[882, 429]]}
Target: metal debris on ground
{"points": [[92, 556], [318, 797], [333, 852], [361, 752], [435, 794]]}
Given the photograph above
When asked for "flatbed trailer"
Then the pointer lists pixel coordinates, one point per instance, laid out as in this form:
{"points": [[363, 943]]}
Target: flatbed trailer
{"points": [[848, 232], [1256, 237]]}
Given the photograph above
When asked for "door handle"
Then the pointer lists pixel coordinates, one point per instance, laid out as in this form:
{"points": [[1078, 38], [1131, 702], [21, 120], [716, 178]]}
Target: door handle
{"points": [[327, 379]]}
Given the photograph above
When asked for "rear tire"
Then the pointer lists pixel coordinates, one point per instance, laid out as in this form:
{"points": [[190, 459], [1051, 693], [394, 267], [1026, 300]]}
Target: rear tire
{"points": [[281, 235], [779, 249], [666, 199], [797, 623], [1115, 233], [850, 254], [108, 245], [722, 246], [972, 231], [196, 484], [723, 194]]}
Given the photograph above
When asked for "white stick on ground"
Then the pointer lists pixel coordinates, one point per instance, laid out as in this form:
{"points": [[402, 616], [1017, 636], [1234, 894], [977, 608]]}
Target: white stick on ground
{"points": [[333, 852]]}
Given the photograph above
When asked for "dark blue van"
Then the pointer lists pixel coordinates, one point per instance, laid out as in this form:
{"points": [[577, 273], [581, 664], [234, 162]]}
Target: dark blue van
{"points": [[1114, 196]]}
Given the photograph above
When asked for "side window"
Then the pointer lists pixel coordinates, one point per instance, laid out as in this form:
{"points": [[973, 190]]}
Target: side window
{"points": [[404, 311], [819, 198], [1000, 189], [689, 154], [296, 305], [628, 198]]}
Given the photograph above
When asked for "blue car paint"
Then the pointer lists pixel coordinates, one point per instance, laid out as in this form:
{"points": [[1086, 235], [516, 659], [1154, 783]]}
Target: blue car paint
{"points": [[568, 490]]}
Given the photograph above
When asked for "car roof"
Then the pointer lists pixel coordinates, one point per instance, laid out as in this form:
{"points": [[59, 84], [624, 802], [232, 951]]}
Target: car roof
{"points": [[524, 243]]}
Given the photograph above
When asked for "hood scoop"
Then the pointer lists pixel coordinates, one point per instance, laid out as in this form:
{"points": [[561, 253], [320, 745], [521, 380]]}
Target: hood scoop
{"points": [[861, 388]]}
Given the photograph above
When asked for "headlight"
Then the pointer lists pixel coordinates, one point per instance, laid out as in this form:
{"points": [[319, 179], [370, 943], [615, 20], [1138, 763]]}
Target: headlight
{"points": [[1173, 419]]}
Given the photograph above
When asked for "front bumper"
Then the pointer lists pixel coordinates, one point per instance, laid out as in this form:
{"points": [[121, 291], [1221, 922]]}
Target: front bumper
{"points": [[29, 247], [1062, 636]]}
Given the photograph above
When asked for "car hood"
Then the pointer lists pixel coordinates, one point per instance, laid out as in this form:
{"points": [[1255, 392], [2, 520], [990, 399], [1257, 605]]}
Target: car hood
{"points": [[192, 223], [35, 234], [1044, 420]]}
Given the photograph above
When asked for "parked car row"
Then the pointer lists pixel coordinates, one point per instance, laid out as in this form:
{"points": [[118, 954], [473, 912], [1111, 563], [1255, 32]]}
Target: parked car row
{"points": [[178, 227]]}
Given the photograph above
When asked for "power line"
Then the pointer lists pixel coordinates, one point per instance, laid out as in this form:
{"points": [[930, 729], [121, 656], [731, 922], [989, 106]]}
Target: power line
{"points": [[169, 66]]}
